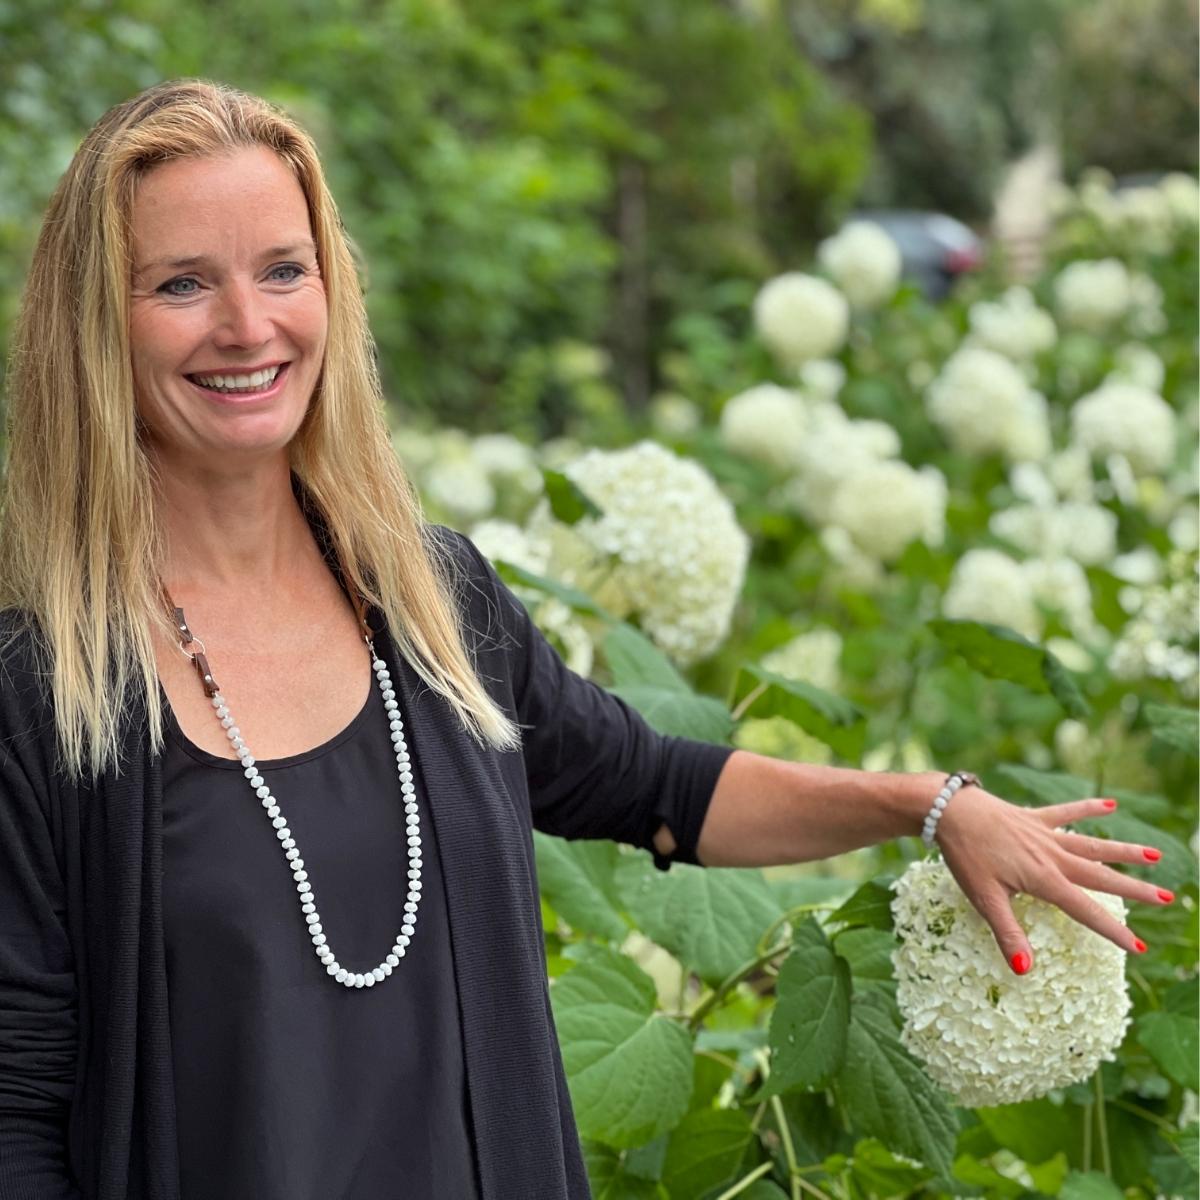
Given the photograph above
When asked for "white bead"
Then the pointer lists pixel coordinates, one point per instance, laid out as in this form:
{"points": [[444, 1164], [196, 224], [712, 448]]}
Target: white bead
{"points": [[415, 886], [410, 906], [392, 960], [304, 887], [299, 876], [401, 942], [292, 854], [251, 770], [379, 974], [318, 939], [939, 803], [414, 840], [234, 734], [226, 721], [284, 835], [407, 929], [333, 969], [309, 907], [387, 967], [359, 981], [218, 700], [297, 862], [415, 864], [279, 822], [342, 975], [369, 981], [288, 842]]}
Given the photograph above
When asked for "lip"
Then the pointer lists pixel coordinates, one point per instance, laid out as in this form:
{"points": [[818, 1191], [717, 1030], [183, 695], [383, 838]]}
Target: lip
{"points": [[236, 398]]}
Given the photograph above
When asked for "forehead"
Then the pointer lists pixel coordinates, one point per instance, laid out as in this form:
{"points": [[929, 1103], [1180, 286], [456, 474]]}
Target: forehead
{"points": [[224, 201]]}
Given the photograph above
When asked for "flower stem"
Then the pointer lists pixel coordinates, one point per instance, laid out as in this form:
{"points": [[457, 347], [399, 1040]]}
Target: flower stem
{"points": [[1087, 1136], [746, 1180], [789, 1151], [748, 700], [715, 998], [1102, 1121]]}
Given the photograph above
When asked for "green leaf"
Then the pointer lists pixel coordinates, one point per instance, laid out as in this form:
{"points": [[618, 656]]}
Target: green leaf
{"points": [[629, 1069], [1176, 868], [679, 714], [812, 1011], [1090, 1185], [870, 905], [869, 954], [879, 1172], [1034, 1130], [1171, 1038], [887, 1093], [568, 502], [709, 918], [829, 718], [570, 596], [762, 1189], [609, 1179], [1188, 1142], [1176, 727], [1058, 787], [1048, 1176], [634, 658], [1002, 653], [705, 1151], [578, 880], [971, 1170]]}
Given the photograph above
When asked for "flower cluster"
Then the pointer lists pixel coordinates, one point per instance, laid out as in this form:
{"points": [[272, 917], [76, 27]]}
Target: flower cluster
{"points": [[766, 423], [1096, 296], [810, 657], [982, 403], [884, 506], [864, 262], [986, 1035], [801, 317], [1013, 325], [668, 542], [1125, 419], [1085, 532]]}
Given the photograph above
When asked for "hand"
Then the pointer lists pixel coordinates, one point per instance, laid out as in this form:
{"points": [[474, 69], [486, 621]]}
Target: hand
{"points": [[995, 849]]}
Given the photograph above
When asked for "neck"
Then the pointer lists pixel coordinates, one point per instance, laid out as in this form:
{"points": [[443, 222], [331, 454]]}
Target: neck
{"points": [[238, 529]]}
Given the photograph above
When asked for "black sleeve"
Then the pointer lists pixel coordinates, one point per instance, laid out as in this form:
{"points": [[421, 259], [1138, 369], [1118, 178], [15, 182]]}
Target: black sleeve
{"points": [[595, 768], [38, 1031]]}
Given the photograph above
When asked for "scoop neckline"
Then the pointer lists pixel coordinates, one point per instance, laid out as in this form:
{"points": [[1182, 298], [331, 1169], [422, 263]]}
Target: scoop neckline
{"points": [[175, 731]]}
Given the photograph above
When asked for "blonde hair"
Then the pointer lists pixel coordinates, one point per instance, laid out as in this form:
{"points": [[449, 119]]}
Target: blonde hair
{"points": [[80, 542]]}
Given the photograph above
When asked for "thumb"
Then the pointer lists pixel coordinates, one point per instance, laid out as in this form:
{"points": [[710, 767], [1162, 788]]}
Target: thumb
{"points": [[996, 909]]}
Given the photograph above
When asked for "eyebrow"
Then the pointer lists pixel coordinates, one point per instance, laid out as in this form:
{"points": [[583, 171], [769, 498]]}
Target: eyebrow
{"points": [[201, 260]]}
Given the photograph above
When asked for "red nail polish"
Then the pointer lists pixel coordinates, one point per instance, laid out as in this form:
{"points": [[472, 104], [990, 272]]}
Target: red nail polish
{"points": [[1150, 854], [1110, 804], [1139, 945], [1165, 896], [1020, 962]]}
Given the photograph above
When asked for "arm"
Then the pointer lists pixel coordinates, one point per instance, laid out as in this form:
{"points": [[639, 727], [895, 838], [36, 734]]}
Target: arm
{"points": [[767, 812]]}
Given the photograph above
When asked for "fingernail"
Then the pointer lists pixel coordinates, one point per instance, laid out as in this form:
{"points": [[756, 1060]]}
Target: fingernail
{"points": [[1020, 962], [1139, 945], [1110, 804], [1150, 854], [1165, 896]]}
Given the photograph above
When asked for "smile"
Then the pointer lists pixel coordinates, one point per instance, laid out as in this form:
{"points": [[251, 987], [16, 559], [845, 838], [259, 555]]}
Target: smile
{"points": [[264, 382]]}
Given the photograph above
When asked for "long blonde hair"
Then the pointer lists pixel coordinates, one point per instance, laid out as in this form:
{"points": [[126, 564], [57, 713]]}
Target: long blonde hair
{"points": [[80, 542]]}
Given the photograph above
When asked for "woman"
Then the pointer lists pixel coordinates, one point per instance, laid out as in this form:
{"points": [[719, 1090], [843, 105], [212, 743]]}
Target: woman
{"points": [[198, 462]]}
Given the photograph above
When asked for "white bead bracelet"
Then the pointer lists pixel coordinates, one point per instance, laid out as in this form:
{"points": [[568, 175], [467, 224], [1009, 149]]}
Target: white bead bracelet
{"points": [[954, 783]]}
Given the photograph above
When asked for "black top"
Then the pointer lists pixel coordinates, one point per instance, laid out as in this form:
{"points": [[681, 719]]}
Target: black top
{"points": [[87, 1093], [288, 1084]]}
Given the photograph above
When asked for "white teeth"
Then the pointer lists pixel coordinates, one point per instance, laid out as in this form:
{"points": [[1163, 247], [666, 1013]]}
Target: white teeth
{"points": [[227, 383]]}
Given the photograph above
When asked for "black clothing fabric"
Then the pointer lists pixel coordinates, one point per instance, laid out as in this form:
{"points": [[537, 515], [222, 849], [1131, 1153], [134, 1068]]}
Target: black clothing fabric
{"points": [[87, 1109], [288, 1084]]}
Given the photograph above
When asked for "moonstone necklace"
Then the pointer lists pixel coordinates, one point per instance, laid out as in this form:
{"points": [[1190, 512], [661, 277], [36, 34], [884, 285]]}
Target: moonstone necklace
{"points": [[305, 894]]}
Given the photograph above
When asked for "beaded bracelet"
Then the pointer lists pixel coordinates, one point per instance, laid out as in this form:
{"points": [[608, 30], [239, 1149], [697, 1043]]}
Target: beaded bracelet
{"points": [[954, 783]]}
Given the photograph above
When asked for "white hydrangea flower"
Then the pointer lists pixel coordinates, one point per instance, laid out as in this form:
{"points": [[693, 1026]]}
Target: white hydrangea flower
{"points": [[1146, 316], [988, 585], [1070, 470], [1060, 584], [765, 423], [1122, 418], [822, 379], [1093, 295], [985, 1034], [673, 415], [864, 262], [800, 317], [1013, 326], [850, 569], [983, 404], [1145, 216], [504, 541], [1182, 193], [1085, 532], [886, 505], [1160, 641], [503, 454], [1135, 363], [460, 487], [810, 657], [679, 555]]}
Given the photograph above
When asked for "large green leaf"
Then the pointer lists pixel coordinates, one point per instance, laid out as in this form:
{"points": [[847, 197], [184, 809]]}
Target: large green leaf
{"points": [[634, 658], [1176, 727], [1089, 1185], [888, 1095], [812, 1011], [1057, 787], [705, 1151], [679, 714], [610, 1180], [1002, 653], [829, 718], [629, 1069], [869, 953], [710, 919], [568, 502], [1176, 868], [1034, 1130], [572, 597], [870, 905], [1173, 1042], [578, 880]]}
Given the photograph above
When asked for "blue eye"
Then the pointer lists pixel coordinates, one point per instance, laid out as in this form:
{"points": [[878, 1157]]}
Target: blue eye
{"points": [[169, 287], [293, 267]]}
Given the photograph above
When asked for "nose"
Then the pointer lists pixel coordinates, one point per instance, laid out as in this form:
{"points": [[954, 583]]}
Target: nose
{"points": [[243, 316]]}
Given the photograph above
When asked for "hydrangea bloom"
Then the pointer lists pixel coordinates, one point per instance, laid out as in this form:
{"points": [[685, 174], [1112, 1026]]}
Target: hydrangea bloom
{"points": [[460, 487], [1159, 642], [986, 1035], [800, 317], [810, 657], [1060, 584], [1122, 418], [1135, 363], [1013, 325], [822, 379], [679, 555], [987, 585], [1183, 197], [864, 262], [765, 423], [983, 405], [886, 505], [673, 415], [1085, 532], [1093, 295]]}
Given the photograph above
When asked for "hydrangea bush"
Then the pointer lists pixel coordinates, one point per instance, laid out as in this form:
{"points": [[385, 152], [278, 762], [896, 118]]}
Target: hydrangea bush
{"points": [[870, 530]]}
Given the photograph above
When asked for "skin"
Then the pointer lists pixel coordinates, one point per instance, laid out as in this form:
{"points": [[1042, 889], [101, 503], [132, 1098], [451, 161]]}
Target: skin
{"points": [[282, 639]]}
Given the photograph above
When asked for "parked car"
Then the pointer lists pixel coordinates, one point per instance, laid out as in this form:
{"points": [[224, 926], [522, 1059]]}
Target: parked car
{"points": [[935, 249]]}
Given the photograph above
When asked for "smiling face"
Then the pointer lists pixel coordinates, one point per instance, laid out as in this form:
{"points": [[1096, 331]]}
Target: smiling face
{"points": [[228, 314]]}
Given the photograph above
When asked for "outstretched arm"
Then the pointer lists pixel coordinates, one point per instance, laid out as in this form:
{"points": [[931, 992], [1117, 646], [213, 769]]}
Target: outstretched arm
{"points": [[766, 812]]}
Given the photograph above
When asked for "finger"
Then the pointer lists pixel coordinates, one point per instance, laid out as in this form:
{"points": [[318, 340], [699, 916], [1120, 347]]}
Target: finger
{"points": [[1075, 810], [996, 909], [1104, 879], [1077, 904], [1107, 849]]}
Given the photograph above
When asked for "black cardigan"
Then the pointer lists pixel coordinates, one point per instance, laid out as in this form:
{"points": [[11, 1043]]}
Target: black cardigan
{"points": [[86, 1089]]}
